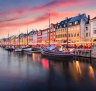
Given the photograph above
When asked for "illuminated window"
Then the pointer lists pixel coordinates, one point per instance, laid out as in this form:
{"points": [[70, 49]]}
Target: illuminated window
{"points": [[72, 29], [68, 29]]}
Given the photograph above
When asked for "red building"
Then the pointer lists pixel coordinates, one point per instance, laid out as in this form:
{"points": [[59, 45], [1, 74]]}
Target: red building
{"points": [[52, 34]]}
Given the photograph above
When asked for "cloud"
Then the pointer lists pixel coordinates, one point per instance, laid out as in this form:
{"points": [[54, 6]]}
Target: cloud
{"points": [[26, 16]]}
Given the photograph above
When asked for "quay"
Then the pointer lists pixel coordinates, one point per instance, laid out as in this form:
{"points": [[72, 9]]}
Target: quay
{"points": [[88, 53], [82, 52]]}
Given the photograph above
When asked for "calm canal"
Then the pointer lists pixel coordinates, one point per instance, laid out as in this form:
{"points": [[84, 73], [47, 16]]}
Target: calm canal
{"points": [[22, 72]]}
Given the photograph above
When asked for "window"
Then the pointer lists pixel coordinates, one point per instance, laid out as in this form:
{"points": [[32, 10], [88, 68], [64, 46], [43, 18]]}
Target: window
{"points": [[78, 27], [94, 31], [71, 35], [74, 35], [68, 29], [86, 28], [78, 34], [86, 34], [70, 23], [94, 24], [64, 25], [76, 22]]}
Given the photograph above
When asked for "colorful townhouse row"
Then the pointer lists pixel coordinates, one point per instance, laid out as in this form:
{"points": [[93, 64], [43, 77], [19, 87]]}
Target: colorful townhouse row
{"points": [[76, 30]]}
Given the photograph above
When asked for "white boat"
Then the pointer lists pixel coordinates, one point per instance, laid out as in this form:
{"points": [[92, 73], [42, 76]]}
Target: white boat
{"points": [[27, 49], [9, 48], [18, 50]]}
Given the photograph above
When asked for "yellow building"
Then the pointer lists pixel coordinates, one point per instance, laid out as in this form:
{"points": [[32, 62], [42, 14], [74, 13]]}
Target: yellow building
{"points": [[73, 27]]}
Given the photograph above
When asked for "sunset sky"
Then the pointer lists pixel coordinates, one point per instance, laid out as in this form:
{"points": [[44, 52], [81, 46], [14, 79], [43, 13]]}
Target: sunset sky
{"points": [[16, 15]]}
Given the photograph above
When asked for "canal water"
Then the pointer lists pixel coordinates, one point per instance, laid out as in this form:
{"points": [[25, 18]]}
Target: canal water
{"points": [[22, 72]]}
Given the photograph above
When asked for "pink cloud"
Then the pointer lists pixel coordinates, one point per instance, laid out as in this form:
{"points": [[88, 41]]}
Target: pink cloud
{"points": [[56, 15]]}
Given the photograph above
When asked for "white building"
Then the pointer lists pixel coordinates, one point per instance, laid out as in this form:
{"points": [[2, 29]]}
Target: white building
{"points": [[87, 32], [93, 28]]}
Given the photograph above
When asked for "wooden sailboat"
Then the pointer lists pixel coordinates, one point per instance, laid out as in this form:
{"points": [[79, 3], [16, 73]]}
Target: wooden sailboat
{"points": [[52, 51], [27, 48], [19, 49], [8, 47]]}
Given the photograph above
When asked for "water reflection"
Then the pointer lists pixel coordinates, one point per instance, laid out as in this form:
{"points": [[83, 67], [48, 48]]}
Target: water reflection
{"points": [[91, 72], [22, 72]]}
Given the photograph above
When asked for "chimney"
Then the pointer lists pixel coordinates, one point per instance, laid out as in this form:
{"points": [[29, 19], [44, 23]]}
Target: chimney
{"points": [[88, 18]]}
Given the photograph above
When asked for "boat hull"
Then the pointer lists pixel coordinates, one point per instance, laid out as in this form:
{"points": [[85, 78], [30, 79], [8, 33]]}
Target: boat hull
{"points": [[57, 56], [27, 49], [18, 50]]}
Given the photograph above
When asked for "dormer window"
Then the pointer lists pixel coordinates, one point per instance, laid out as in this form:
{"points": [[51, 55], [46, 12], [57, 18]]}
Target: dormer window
{"points": [[57, 27], [76, 22], [70, 23], [64, 25], [60, 26]]}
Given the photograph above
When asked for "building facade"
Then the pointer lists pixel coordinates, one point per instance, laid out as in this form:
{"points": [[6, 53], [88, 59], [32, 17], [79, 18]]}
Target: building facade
{"points": [[73, 27], [39, 37], [52, 34], [93, 29], [45, 37]]}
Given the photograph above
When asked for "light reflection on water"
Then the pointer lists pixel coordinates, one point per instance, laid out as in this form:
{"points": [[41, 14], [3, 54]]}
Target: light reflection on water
{"points": [[22, 72]]}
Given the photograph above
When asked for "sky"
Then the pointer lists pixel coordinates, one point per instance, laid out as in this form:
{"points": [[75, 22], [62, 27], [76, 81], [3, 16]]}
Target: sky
{"points": [[20, 15]]}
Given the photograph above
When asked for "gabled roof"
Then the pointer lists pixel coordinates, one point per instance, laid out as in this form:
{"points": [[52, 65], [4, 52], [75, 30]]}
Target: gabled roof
{"points": [[33, 32], [77, 18], [63, 23]]}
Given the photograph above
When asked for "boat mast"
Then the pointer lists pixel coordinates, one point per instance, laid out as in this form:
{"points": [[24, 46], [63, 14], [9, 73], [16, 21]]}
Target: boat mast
{"points": [[67, 31], [49, 29], [27, 35], [8, 39], [19, 38]]}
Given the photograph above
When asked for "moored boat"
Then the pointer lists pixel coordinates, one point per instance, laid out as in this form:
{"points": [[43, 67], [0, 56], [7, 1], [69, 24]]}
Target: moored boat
{"points": [[18, 50], [27, 49], [53, 53], [8, 48]]}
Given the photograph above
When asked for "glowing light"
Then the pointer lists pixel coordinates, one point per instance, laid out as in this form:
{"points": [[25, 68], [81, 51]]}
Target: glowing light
{"points": [[91, 72], [45, 63], [78, 67]]}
